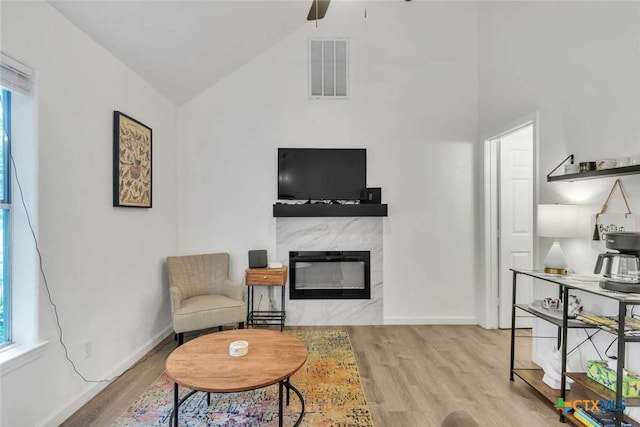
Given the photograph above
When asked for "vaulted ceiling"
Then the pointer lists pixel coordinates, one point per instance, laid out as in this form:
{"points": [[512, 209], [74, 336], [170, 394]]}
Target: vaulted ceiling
{"points": [[183, 47]]}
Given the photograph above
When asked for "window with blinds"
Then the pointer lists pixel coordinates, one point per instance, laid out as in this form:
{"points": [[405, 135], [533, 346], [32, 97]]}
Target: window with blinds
{"points": [[15, 79]]}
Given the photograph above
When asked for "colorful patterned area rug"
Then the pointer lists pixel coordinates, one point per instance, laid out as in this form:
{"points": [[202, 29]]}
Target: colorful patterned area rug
{"points": [[329, 382]]}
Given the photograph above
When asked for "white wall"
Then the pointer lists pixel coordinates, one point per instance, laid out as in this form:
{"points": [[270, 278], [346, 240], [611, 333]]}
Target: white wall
{"points": [[426, 79], [413, 105], [103, 264], [578, 64]]}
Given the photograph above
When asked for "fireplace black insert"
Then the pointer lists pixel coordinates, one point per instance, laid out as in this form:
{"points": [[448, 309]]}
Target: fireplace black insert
{"points": [[329, 275]]}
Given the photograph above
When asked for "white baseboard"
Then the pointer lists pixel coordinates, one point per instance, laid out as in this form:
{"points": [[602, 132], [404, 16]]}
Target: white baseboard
{"points": [[93, 389], [428, 320]]}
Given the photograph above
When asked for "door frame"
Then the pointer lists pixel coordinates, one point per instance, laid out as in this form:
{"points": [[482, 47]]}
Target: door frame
{"points": [[488, 208]]}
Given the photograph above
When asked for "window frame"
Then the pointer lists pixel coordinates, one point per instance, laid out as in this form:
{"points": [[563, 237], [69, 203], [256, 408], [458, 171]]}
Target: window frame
{"points": [[6, 208], [25, 346]]}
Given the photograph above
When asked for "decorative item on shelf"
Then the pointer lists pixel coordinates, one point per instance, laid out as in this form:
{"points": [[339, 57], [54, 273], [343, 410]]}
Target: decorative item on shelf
{"points": [[557, 221], [551, 303], [594, 319], [599, 371], [553, 307], [631, 324], [571, 168], [606, 164], [623, 161], [587, 166], [574, 307], [371, 195], [553, 370], [604, 222]]}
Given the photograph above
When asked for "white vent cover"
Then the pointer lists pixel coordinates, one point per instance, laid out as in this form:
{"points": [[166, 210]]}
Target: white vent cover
{"points": [[328, 68]]}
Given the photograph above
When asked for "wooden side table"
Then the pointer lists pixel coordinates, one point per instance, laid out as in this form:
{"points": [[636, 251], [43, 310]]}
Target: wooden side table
{"points": [[265, 277]]}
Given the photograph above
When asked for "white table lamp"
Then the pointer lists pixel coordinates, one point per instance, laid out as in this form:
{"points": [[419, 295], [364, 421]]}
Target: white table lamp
{"points": [[557, 221]]}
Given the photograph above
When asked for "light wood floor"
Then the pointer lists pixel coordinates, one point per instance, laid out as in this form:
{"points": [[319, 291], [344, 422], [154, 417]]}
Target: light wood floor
{"points": [[412, 376]]}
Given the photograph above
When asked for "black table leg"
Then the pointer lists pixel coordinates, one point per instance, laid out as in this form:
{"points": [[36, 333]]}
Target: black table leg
{"points": [[175, 404], [287, 384], [173, 419], [290, 387], [280, 403]]}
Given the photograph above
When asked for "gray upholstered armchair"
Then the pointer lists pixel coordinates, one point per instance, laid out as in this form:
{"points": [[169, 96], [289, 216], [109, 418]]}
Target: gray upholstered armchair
{"points": [[202, 296]]}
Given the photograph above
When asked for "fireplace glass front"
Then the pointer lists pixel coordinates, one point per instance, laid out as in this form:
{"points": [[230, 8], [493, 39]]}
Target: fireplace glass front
{"points": [[329, 275]]}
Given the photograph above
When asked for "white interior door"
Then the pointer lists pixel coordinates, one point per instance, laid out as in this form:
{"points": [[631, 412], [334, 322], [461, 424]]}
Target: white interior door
{"points": [[515, 234]]}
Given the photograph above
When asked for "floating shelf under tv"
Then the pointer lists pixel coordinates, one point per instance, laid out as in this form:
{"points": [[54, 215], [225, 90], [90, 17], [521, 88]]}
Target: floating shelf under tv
{"points": [[328, 210]]}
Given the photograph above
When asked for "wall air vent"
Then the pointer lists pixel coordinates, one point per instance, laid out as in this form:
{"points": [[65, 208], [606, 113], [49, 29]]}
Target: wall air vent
{"points": [[328, 68]]}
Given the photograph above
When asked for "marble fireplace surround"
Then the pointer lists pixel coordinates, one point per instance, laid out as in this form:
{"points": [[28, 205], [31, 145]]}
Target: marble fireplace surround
{"points": [[333, 234]]}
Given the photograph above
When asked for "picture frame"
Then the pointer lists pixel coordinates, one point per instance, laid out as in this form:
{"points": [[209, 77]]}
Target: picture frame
{"points": [[132, 162]]}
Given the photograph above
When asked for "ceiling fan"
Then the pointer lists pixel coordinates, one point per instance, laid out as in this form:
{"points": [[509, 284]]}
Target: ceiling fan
{"points": [[318, 9]]}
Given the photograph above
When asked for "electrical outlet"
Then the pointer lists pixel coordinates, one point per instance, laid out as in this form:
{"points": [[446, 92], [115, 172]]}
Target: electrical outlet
{"points": [[88, 349]]}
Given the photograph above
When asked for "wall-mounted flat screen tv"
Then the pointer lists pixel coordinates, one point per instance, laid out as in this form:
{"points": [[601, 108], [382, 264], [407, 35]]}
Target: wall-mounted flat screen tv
{"points": [[321, 173]]}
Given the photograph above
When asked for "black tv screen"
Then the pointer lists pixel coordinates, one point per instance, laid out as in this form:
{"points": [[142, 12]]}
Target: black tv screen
{"points": [[321, 173]]}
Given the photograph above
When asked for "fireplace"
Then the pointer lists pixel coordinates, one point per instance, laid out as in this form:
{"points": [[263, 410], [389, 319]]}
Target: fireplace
{"points": [[329, 275]]}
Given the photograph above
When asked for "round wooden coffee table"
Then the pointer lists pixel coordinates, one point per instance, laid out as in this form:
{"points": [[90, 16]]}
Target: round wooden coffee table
{"points": [[204, 364]]}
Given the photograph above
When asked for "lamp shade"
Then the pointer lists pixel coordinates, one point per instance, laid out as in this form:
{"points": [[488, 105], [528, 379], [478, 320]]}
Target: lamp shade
{"points": [[558, 221]]}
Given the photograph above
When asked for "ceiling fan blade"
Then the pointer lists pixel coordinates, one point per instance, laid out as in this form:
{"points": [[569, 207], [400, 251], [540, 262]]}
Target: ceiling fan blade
{"points": [[319, 6]]}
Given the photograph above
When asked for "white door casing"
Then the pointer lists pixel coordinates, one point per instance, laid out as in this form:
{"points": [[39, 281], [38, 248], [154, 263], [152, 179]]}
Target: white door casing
{"points": [[490, 296], [516, 231]]}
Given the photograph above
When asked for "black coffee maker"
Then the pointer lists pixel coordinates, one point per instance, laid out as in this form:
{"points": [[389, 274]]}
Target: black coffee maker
{"points": [[622, 271]]}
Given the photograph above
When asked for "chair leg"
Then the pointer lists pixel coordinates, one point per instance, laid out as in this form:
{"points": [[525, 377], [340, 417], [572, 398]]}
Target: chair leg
{"points": [[241, 325], [180, 339]]}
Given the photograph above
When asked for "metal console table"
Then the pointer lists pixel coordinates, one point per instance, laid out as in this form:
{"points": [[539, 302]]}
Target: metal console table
{"points": [[586, 387]]}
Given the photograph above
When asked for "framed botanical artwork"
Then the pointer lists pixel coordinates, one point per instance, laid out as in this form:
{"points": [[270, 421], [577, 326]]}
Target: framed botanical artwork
{"points": [[131, 162]]}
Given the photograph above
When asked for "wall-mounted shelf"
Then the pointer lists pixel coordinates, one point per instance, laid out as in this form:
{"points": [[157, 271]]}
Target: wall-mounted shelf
{"points": [[328, 210], [624, 170], [603, 173]]}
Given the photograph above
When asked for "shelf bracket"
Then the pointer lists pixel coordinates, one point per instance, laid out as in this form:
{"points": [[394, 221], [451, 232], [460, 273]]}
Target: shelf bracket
{"points": [[569, 157]]}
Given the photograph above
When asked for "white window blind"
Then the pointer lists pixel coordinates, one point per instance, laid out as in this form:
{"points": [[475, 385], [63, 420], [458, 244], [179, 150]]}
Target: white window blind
{"points": [[15, 76]]}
